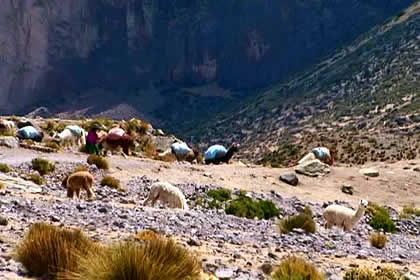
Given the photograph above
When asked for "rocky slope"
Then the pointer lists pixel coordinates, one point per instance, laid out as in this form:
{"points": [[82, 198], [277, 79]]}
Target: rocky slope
{"points": [[170, 60], [369, 88]]}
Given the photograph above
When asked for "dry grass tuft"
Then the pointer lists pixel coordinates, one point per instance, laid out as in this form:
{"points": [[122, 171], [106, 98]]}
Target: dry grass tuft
{"points": [[36, 179], [112, 183], [382, 273], [297, 269], [147, 235], [47, 250], [43, 166], [80, 168], [378, 240], [409, 211], [153, 260], [52, 145], [2, 186], [4, 168], [100, 162]]}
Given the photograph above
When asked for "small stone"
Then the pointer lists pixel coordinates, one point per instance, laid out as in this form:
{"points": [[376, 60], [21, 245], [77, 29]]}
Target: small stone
{"points": [[103, 210], [397, 261], [224, 273], [417, 169], [55, 219], [3, 221], [194, 242], [273, 256], [347, 189], [267, 268], [370, 172], [289, 178]]}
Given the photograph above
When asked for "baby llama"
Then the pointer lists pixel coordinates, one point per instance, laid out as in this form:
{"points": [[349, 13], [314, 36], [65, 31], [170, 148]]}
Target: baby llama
{"points": [[167, 193], [340, 216]]}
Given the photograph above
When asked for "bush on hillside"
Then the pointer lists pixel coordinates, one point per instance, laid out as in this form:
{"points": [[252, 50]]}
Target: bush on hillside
{"points": [[296, 268], [43, 166], [100, 162], [246, 207]]}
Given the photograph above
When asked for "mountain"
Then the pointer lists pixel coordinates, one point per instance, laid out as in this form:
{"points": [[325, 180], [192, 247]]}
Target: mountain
{"points": [[165, 60], [363, 102]]}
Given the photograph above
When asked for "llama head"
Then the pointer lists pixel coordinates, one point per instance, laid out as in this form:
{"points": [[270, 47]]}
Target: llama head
{"points": [[64, 183], [364, 203], [235, 147]]}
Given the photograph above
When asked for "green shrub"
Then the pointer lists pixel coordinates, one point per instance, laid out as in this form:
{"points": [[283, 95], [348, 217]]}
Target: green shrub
{"points": [[302, 220], [36, 179], [99, 161], [295, 268], [378, 240], [43, 166], [381, 219], [220, 194], [4, 168], [156, 259], [383, 273], [47, 250], [112, 183], [246, 207]]}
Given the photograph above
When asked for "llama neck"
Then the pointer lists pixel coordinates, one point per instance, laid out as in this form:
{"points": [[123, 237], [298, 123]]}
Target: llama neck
{"points": [[228, 155], [359, 213]]}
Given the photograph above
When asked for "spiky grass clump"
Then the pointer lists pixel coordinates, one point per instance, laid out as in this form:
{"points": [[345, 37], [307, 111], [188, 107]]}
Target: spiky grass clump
{"points": [[43, 166], [100, 162], [4, 168], [295, 268], [220, 194], [381, 218], [47, 250], [36, 179], [303, 220], [147, 235], [383, 273], [246, 207], [378, 240], [112, 183], [2, 186], [53, 145], [156, 259], [409, 211]]}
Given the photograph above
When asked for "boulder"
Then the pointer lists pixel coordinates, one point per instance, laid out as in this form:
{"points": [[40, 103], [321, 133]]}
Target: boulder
{"points": [[370, 172], [9, 142], [348, 189], [289, 178], [313, 168], [16, 183]]}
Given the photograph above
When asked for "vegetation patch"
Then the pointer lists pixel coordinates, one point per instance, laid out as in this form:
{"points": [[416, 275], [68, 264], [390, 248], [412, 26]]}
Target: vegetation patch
{"points": [[410, 211], [2, 185], [43, 166], [383, 273], [47, 250], [303, 221], [100, 162], [156, 259], [220, 194], [295, 268], [53, 145], [112, 183], [36, 179], [380, 218], [80, 168], [378, 240], [146, 147], [246, 207], [4, 168], [147, 235]]}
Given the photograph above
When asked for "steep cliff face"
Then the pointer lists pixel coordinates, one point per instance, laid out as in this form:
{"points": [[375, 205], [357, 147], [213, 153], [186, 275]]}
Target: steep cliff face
{"points": [[68, 52]]}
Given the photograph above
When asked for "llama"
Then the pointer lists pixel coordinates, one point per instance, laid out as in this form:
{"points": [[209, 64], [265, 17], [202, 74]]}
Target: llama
{"points": [[77, 181], [113, 142], [340, 216], [182, 152], [166, 193], [7, 127], [217, 153], [72, 133]]}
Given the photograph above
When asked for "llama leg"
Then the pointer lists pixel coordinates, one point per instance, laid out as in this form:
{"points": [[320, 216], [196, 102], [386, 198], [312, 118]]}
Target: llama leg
{"points": [[89, 192], [70, 193], [78, 193]]}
